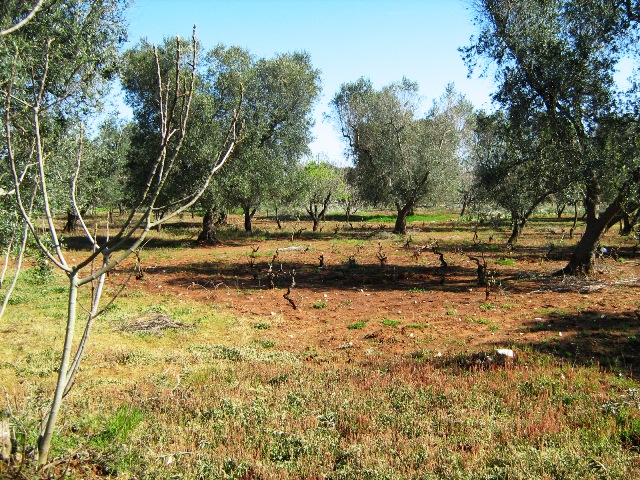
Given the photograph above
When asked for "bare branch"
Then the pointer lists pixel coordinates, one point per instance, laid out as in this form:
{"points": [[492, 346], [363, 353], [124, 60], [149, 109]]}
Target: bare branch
{"points": [[74, 185], [61, 261], [93, 314], [16, 274], [17, 179], [24, 21]]}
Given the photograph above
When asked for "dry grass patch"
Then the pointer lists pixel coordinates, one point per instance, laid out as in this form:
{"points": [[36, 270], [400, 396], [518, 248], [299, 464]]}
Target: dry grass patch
{"points": [[394, 377], [154, 324]]}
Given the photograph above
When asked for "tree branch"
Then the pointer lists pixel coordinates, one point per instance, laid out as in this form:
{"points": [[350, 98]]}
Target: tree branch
{"points": [[24, 21]]}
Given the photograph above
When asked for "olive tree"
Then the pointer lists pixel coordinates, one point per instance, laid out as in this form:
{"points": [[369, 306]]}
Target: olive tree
{"points": [[15, 8], [320, 182], [287, 193], [556, 59], [106, 165], [279, 94], [514, 168], [348, 195], [102, 181], [219, 84], [401, 159]]}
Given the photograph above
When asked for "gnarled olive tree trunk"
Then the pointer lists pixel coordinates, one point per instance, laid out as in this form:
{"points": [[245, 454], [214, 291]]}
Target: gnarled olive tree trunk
{"points": [[401, 220], [582, 260], [208, 233], [517, 225], [316, 214], [519, 219], [248, 216]]}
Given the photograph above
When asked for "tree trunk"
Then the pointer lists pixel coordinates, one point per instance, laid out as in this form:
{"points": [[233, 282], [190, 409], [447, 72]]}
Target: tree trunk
{"points": [[575, 216], [72, 221], [248, 215], [629, 223], [583, 257], [519, 220], [221, 217], [518, 224], [316, 216], [277, 219], [44, 440], [208, 233], [312, 210], [401, 220], [159, 215], [624, 218], [464, 207], [625, 225]]}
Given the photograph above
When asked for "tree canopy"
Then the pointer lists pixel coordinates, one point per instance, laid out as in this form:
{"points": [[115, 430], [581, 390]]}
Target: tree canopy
{"points": [[554, 62], [514, 168], [319, 183], [279, 94], [401, 159]]}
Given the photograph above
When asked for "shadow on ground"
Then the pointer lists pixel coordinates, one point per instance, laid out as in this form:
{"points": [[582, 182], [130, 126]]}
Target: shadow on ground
{"points": [[611, 340]]}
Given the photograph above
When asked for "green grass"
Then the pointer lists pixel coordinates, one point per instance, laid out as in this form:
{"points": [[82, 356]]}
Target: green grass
{"points": [[390, 322], [252, 414], [479, 320], [319, 304], [417, 290], [488, 306], [117, 427], [388, 419], [357, 325]]}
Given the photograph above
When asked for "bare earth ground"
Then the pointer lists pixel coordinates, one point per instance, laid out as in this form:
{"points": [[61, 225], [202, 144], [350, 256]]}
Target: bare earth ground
{"points": [[421, 327], [413, 305]]}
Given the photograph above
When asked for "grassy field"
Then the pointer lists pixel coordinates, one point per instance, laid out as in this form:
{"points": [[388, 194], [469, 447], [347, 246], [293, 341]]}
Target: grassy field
{"points": [[177, 385]]}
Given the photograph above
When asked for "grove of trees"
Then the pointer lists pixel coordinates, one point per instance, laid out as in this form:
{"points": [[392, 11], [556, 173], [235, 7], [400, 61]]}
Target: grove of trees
{"points": [[222, 130], [554, 63]]}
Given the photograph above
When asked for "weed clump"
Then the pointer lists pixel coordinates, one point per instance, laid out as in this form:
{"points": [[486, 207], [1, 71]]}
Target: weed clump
{"points": [[155, 324]]}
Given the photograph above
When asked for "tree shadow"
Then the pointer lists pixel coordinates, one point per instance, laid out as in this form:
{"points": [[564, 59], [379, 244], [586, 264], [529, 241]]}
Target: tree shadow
{"points": [[352, 273], [81, 243], [338, 276], [611, 340]]}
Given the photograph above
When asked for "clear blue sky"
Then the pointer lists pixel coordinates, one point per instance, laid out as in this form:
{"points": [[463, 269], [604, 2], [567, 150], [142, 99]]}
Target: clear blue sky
{"points": [[382, 40]]}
